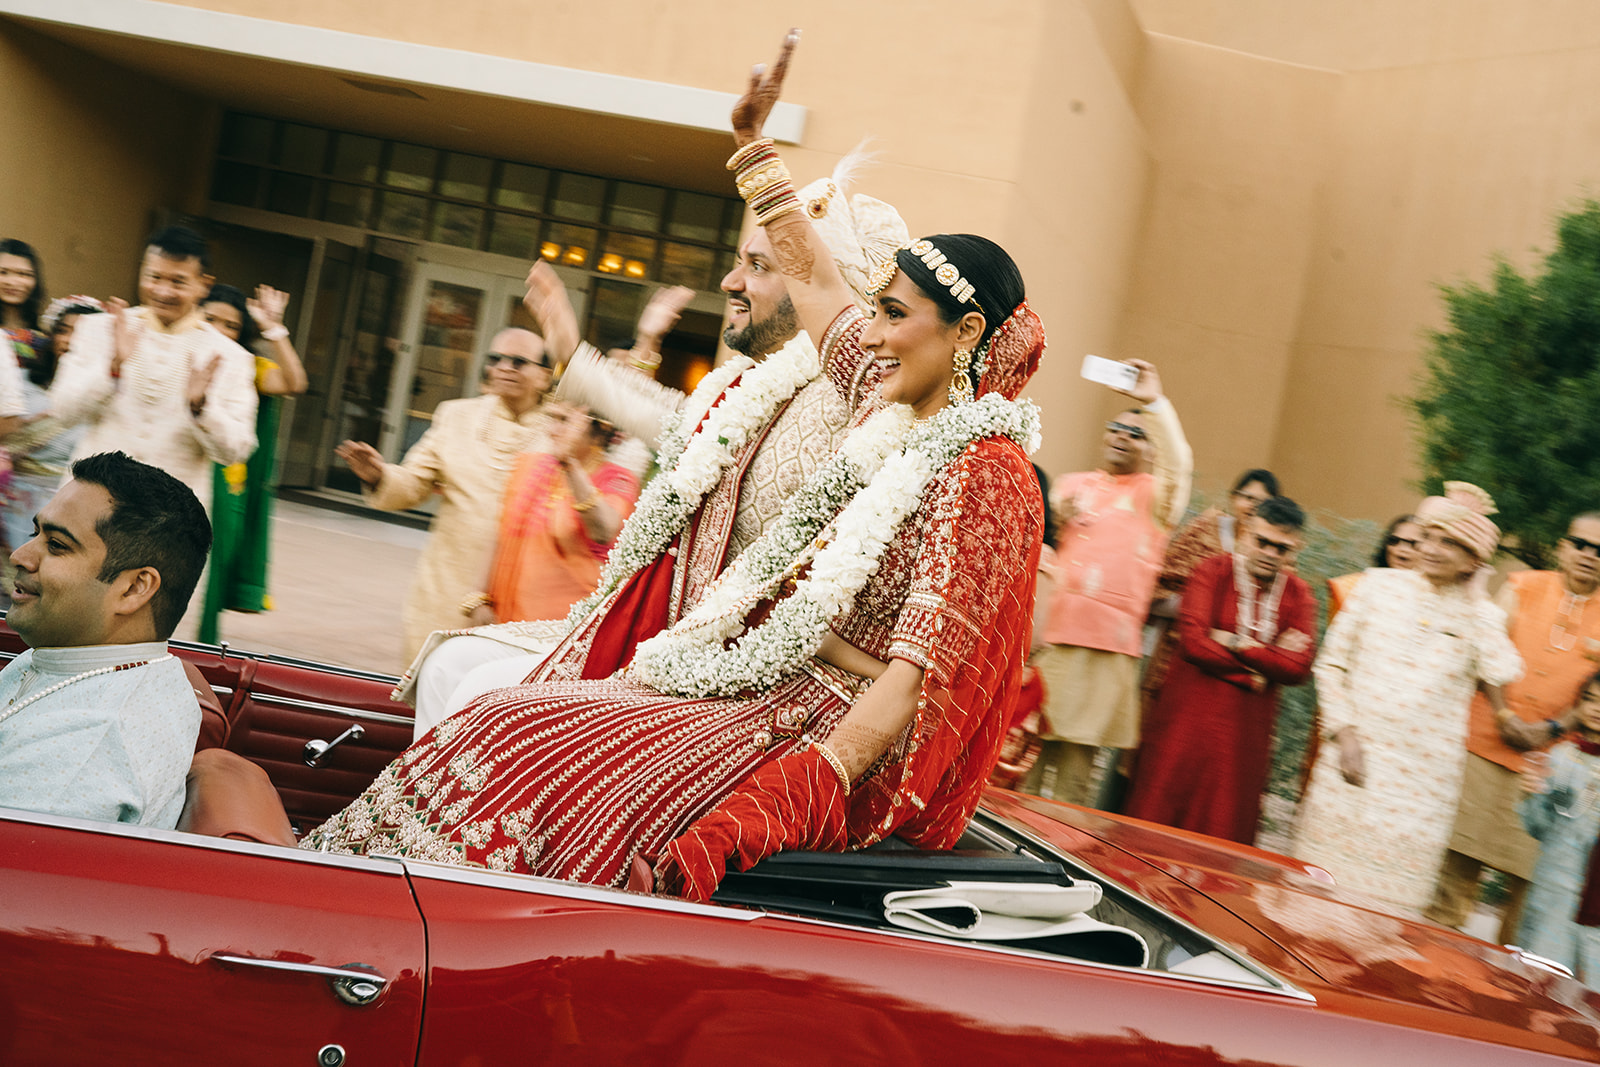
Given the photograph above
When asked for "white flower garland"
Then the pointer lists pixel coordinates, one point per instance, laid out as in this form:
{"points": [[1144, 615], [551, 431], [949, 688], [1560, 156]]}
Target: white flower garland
{"points": [[868, 490], [689, 470]]}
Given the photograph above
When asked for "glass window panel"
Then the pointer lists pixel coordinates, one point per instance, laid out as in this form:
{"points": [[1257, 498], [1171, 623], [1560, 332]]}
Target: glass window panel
{"points": [[578, 196], [513, 235], [615, 309], [637, 207], [627, 256], [522, 187], [303, 148], [574, 245], [348, 205], [246, 137], [356, 158], [411, 167], [457, 224], [290, 194], [697, 217], [466, 177], [445, 354], [732, 222], [235, 183], [403, 216], [687, 265]]}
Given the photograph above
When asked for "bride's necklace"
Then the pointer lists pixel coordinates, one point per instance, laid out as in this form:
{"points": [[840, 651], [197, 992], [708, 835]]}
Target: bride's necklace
{"points": [[841, 521], [1563, 629], [15, 705]]}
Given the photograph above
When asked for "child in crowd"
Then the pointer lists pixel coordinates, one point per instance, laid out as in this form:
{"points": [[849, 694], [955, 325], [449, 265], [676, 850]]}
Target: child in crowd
{"points": [[1562, 810]]}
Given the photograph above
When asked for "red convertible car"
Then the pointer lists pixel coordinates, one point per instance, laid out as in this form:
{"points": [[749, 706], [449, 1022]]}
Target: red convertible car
{"points": [[1051, 934]]}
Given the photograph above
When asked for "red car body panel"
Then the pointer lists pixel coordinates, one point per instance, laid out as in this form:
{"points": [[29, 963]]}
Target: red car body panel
{"points": [[1348, 954], [598, 981], [107, 938]]}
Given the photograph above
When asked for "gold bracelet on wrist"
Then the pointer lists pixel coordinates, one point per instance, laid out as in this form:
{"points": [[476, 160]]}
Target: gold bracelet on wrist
{"points": [[581, 506], [473, 601], [836, 763]]}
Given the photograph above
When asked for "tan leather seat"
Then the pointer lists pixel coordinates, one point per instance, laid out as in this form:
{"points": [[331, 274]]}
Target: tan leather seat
{"points": [[228, 796]]}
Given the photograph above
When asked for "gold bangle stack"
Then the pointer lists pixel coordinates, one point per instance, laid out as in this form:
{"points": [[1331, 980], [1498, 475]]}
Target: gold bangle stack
{"points": [[473, 601], [763, 180], [836, 763], [585, 505]]}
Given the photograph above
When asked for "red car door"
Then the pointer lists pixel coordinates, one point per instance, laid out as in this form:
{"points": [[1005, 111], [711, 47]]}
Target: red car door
{"points": [[129, 946]]}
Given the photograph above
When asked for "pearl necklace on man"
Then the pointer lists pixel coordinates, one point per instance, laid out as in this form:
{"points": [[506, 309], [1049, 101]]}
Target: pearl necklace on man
{"points": [[13, 706]]}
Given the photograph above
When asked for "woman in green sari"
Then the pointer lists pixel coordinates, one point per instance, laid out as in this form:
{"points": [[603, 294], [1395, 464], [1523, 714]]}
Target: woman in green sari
{"points": [[241, 518]]}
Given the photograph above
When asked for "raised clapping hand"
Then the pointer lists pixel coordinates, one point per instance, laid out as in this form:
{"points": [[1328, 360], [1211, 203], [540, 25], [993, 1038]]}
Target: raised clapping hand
{"points": [[766, 86], [268, 306], [661, 314], [1147, 390], [200, 381], [364, 461], [126, 330]]}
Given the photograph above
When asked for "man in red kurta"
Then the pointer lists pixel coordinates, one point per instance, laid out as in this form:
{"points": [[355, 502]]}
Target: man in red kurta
{"points": [[1246, 628]]}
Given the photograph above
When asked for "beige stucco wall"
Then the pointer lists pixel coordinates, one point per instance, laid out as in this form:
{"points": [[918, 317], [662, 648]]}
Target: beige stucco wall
{"points": [[1259, 196], [1445, 132], [93, 151]]}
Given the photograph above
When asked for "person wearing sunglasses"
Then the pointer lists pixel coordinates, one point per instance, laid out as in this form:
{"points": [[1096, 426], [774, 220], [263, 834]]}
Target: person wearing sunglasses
{"points": [[1114, 524], [1397, 548], [1395, 676], [1557, 632], [1208, 534], [1247, 627], [465, 456]]}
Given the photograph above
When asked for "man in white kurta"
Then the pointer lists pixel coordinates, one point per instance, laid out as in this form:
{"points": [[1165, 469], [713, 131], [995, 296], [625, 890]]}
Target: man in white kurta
{"points": [[97, 719], [465, 456], [157, 381]]}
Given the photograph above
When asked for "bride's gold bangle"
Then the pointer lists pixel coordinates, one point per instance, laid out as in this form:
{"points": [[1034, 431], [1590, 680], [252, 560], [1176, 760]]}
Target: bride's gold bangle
{"points": [[836, 763]]}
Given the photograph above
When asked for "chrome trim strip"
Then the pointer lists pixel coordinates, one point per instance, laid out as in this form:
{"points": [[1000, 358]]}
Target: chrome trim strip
{"points": [[337, 709], [550, 887], [302, 968], [1280, 986], [373, 864]]}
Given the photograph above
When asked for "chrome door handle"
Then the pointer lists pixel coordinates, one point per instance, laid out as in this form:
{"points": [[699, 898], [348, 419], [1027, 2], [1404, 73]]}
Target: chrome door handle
{"points": [[317, 750], [358, 987]]}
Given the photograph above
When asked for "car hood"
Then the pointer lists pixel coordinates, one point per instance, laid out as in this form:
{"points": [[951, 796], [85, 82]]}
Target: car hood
{"points": [[1340, 948]]}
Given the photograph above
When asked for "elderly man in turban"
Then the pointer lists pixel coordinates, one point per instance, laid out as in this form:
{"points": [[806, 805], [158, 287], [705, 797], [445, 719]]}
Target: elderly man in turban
{"points": [[1395, 676]]}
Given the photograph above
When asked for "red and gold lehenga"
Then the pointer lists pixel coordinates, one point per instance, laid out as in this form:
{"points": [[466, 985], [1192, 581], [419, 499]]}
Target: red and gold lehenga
{"points": [[572, 777]]}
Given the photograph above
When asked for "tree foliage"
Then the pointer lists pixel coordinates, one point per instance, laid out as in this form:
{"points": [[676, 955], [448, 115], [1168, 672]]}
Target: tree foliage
{"points": [[1510, 396]]}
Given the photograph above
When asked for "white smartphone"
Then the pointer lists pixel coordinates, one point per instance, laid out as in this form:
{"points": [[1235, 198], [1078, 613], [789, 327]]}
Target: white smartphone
{"points": [[1117, 375]]}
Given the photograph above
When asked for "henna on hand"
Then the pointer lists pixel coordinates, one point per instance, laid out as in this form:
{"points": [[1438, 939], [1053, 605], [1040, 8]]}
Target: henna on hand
{"points": [[858, 746], [766, 85], [791, 246]]}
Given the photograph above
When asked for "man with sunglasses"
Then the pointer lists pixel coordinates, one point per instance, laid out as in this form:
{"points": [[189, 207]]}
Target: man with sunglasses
{"points": [[1114, 525], [465, 456], [1245, 629], [1557, 631]]}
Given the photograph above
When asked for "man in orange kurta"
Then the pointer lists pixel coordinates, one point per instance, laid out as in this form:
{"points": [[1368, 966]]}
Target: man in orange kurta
{"points": [[1557, 631]]}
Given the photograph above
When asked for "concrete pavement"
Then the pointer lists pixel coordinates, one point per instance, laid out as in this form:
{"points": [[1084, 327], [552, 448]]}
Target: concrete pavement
{"points": [[338, 582]]}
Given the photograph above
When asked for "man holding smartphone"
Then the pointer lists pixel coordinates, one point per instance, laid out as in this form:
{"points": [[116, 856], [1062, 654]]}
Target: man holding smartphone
{"points": [[1114, 524]]}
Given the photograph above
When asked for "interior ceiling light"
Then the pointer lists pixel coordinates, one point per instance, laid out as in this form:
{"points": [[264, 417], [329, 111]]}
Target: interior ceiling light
{"points": [[382, 88]]}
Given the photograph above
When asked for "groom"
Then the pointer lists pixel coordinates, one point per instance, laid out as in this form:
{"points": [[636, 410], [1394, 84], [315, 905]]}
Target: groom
{"points": [[797, 430]]}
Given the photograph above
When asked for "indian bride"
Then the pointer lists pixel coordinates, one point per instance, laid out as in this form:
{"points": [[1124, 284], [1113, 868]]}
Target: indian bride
{"points": [[849, 677]]}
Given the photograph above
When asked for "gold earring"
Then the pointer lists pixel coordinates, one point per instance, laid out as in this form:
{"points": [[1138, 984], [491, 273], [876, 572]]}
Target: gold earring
{"points": [[961, 381]]}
